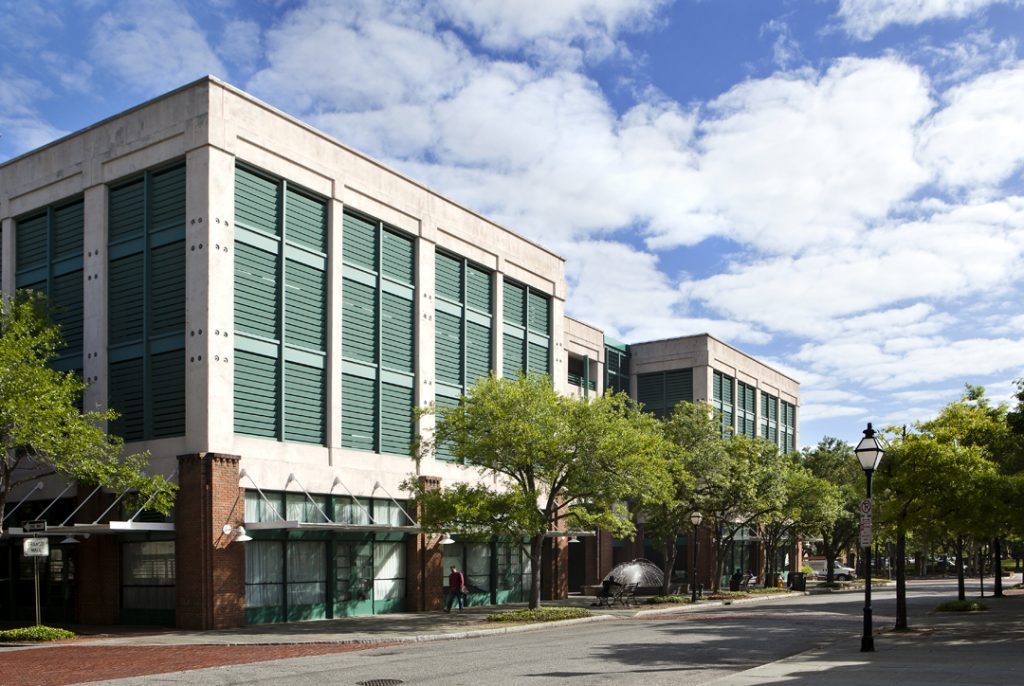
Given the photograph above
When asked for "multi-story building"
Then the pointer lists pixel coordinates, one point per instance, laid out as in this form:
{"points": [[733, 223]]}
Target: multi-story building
{"points": [[267, 308]]}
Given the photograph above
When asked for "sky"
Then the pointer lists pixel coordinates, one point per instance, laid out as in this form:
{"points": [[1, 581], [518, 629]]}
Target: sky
{"points": [[832, 186]]}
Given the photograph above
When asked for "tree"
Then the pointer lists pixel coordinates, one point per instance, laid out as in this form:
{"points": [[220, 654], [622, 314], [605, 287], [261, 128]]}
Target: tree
{"points": [[735, 488], [556, 461], [833, 460], [809, 503], [694, 440], [42, 431]]}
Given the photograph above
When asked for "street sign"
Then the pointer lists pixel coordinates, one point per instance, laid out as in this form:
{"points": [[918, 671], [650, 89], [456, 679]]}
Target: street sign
{"points": [[865, 533], [865, 507], [35, 526], [35, 547]]}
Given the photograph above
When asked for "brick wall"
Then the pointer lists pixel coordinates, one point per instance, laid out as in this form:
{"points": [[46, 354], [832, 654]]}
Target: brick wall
{"points": [[424, 586], [210, 566]]}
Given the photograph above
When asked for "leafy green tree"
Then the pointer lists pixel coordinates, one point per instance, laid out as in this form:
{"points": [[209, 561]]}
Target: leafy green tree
{"points": [[694, 440], [833, 460], [555, 461], [809, 503], [42, 431], [735, 488]]}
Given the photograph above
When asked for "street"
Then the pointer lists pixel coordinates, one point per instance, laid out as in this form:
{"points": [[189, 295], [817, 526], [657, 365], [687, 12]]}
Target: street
{"points": [[696, 647]]}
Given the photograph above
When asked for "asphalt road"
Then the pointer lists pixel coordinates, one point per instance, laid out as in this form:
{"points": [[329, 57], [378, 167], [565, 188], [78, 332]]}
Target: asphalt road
{"points": [[683, 648]]}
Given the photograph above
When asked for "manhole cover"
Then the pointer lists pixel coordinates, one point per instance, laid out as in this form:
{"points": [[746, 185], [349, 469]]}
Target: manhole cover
{"points": [[380, 682]]}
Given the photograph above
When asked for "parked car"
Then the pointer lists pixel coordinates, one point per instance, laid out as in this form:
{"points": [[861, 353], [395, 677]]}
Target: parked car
{"points": [[842, 572]]}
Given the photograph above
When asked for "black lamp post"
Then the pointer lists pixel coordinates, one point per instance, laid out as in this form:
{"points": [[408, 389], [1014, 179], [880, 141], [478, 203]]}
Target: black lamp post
{"points": [[869, 452], [695, 519]]}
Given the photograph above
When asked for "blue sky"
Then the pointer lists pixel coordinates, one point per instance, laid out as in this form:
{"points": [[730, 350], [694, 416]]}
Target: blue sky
{"points": [[833, 186]]}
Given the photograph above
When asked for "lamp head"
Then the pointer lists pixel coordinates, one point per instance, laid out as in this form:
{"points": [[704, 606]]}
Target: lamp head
{"points": [[696, 518], [869, 451], [447, 540]]}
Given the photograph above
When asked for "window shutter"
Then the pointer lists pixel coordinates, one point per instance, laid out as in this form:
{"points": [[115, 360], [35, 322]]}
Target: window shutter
{"points": [[256, 394], [257, 202], [168, 393], [359, 412], [305, 416], [305, 305], [306, 221], [359, 322], [396, 419], [397, 346]]}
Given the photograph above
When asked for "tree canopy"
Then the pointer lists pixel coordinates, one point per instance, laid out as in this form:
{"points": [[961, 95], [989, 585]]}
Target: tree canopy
{"points": [[42, 430], [557, 463]]}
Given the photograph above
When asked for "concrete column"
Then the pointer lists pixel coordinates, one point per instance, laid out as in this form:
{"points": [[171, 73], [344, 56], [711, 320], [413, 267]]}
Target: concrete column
{"points": [[424, 585], [702, 384], [7, 255], [558, 356], [498, 322], [335, 279], [94, 298], [210, 567], [209, 300], [425, 390]]}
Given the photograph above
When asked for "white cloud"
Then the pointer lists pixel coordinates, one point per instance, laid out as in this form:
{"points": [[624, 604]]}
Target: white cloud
{"points": [[567, 31], [966, 58], [153, 46], [813, 411], [975, 139], [799, 158], [22, 126], [241, 43], [863, 19]]}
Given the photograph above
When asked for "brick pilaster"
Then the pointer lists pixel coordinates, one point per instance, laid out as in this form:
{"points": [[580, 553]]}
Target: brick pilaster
{"points": [[424, 585], [97, 567], [210, 566]]}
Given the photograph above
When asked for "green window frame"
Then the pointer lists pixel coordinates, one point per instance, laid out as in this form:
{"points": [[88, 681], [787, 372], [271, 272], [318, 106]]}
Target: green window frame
{"points": [[616, 367], [660, 392], [723, 399], [787, 427], [746, 404], [146, 304], [526, 334], [280, 309], [48, 258], [769, 418], [378, 344], [463, 319]]}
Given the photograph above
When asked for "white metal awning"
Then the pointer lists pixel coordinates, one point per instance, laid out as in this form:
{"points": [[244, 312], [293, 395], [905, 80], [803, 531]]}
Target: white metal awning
{"points": [[292, 525], [116, 527]]}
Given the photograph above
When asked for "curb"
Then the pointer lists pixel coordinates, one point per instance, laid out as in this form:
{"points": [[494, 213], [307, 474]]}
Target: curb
{"points": [[382, 640], [718, 603]]}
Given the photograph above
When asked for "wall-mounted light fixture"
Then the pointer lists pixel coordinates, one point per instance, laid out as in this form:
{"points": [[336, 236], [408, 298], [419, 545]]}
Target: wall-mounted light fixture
{"points": [[239, 532]]}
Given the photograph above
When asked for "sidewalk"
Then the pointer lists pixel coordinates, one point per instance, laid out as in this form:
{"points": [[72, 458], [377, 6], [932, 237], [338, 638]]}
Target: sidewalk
{"points": [[946, 648]]}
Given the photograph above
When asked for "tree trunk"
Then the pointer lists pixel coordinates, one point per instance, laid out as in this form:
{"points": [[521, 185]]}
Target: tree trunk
{"points": [[961, 592], [668, 565], [901, 579], [536, 546], [981, 571], [997, 568]]}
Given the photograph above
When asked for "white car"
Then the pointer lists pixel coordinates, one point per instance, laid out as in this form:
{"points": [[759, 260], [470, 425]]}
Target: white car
{"points": [[841, 571]]}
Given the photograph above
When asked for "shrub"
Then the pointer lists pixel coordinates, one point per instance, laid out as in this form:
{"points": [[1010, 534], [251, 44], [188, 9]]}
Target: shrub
{"points": [[666, 599], [36, 633], [541, 614], [961, 606]]}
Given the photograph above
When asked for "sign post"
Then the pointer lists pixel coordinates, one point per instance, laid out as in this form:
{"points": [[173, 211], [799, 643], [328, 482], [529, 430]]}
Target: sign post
{"points": [[36, 548], [865, 523]]}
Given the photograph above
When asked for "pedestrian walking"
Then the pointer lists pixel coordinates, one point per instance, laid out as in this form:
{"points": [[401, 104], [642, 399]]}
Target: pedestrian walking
{"points": [[456, 589]]}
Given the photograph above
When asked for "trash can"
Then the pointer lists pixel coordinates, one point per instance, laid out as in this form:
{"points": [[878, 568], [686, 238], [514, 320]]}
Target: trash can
{"points": [[798, 581], [734, 584]]}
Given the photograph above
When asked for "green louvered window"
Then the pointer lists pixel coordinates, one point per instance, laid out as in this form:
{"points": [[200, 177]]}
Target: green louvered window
{"points": [[787, 427], [616, 364], [724, 400], [377, 336], [769, 418], [746, 405], [280, 309], [660, 392], [526, 336], [462, 328], [48, 258], [146, 304]]}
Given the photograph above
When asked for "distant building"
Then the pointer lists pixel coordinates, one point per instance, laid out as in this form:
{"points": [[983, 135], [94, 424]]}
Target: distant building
{"points": [[266, 307]]}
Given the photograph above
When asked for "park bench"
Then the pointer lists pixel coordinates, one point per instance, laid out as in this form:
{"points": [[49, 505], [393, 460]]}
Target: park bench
{"points": [[623, 594]]}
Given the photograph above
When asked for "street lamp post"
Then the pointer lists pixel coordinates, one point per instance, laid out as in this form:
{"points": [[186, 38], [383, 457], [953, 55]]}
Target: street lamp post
{"points": [[695, 519], [869, 452]]}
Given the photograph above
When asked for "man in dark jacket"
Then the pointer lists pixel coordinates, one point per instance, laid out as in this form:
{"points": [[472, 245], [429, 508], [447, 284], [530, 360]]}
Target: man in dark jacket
{"points": [[456, 588]]}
